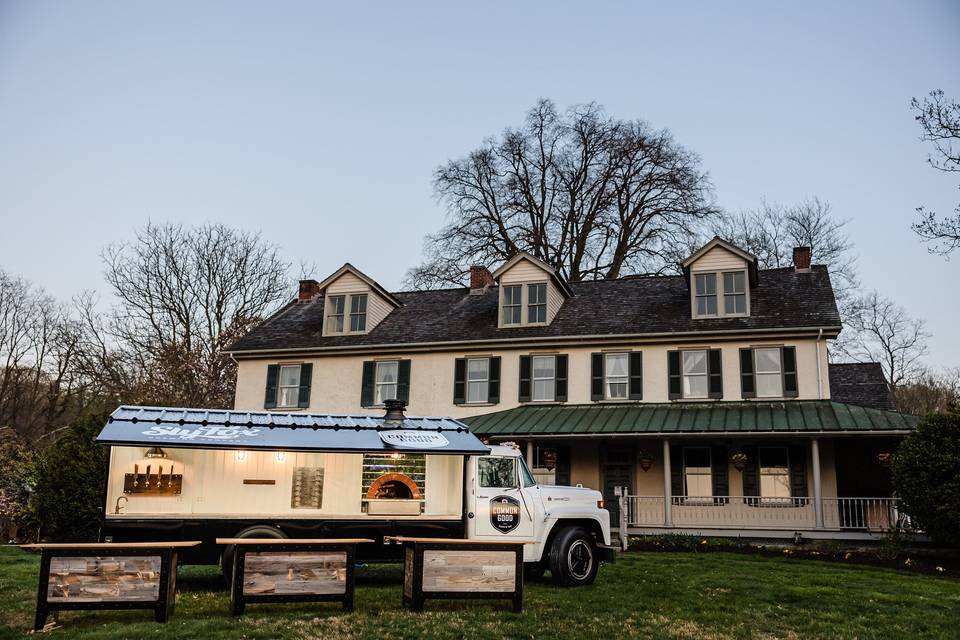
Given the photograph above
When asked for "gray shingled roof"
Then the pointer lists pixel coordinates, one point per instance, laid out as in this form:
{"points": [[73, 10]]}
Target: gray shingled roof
{"points": [[862, 384], [783, 298]]}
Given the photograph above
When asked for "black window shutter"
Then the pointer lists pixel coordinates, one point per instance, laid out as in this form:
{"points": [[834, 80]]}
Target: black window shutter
{"points": [[747, 386], [460, 381], [798, 471], [524, 395], [676, 474], [674, 381], [596, 376], [562, 470], [403, 381], [719, 475], [636, 375], [560, 389], [366, 385], [306, 378], [493, 392], [788, 359], [270, 396], [751, 472], [715, 371]]}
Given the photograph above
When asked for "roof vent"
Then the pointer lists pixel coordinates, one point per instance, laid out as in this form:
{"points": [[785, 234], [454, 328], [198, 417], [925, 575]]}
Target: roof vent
{"points": [[394, 410]]}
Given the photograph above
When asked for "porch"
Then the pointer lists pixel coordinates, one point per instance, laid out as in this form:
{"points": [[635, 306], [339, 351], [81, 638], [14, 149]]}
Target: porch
{"points": [[759, 470]]}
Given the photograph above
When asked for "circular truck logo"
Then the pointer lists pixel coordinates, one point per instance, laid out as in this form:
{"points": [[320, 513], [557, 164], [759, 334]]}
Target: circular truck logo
{"points": [[409, 439], [504, 513]]}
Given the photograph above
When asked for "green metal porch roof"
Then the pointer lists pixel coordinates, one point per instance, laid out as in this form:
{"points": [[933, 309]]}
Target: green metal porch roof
{"points": [[792, 417]]}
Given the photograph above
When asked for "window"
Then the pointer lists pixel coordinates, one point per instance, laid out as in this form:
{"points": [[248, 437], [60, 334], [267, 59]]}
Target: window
{"points": [[695, 384], [696, 472], [335, 305], [774, 475], [544, 378], [358, 312], [478, 379], [512, 304], [497, 473], [386, 381], [617, 372], [768, 373], [536, 303], [706, 284], [526, 474], [288, 390], [734, 293]]}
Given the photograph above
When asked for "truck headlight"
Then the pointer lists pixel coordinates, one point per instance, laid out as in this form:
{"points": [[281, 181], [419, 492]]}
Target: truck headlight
{"points": [[600, 504]]}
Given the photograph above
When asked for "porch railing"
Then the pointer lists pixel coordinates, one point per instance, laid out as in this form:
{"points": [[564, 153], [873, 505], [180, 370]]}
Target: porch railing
{"points": [[751, 512]]}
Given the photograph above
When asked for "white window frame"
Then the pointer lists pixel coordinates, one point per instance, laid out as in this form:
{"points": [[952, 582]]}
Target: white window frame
{"points": [[733, 292], [719, 277], [700, 473], [485, 381], [331, 316], [767, 472], [281, 387], [378, 398], [697, 296], [619, 379], [684, 375], [358, 297], [757, 374], [534, 379], [516, 305], [539, 304], [346, 317]]}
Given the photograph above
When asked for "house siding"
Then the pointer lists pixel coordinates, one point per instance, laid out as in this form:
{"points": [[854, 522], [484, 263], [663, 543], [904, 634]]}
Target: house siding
{"points": [[718, 259]]}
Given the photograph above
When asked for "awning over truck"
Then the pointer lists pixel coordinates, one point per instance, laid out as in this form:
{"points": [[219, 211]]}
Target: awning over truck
{"points": [[257, 430]]}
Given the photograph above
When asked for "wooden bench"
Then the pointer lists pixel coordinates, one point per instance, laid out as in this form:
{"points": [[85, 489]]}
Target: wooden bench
{"points": [[133, 575], [291, 570], [448, 568]]}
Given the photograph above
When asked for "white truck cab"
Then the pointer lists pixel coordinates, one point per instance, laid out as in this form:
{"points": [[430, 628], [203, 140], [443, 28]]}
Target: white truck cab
{"points": [[568, 526]]}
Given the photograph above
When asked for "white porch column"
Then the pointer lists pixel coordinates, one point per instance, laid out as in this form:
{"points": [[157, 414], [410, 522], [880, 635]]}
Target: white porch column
{"points": [[667, 498], [530, 453], [817, 490]]}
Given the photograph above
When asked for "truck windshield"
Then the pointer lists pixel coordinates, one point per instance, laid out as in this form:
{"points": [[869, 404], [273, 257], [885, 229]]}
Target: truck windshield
{"points": [[526, 475]]}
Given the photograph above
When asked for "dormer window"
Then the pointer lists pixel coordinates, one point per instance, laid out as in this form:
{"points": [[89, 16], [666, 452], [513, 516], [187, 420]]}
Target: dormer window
{"points": [[358, 312], [512, 304], [537, 303], [712, 287], [335, 306], [338, 323]]}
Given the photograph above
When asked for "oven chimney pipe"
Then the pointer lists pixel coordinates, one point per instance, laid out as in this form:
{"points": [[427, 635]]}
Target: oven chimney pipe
{"points": [[394, 410]]}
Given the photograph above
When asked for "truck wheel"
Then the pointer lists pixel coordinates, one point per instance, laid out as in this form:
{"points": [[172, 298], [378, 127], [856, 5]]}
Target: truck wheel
{"points": [[256, 531], [573, 558]]}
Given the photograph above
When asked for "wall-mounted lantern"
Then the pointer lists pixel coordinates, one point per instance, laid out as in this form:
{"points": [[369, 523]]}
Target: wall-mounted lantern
{"points": [[739, 460], [155, 452], [645, 460]]}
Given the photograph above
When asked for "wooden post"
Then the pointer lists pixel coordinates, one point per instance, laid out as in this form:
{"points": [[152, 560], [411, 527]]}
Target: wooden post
{"points": [[667, 497], [624, 499], [530, 454], [817, 489]]}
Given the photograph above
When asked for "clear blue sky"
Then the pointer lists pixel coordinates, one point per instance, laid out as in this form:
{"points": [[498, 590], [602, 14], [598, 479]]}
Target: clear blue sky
{"points": [[321, 126]]}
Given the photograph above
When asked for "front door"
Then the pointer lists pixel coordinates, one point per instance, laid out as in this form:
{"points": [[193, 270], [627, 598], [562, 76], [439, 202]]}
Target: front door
{"points": [[502, 509], [617, 472]]}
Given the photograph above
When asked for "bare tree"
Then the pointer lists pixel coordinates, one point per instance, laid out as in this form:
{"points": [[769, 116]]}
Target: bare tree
{"points": [[929, 392], [185, 294], [771, 231], [593, 196], [885, 333], [940, 120]]}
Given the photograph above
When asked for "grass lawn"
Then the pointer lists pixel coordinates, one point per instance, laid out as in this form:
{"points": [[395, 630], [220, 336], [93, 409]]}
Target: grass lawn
{"points": [[650, 595]]}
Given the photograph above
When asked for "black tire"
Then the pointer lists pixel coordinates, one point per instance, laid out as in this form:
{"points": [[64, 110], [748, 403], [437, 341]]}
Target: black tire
{"points": [[573, 558], [256, 531]]}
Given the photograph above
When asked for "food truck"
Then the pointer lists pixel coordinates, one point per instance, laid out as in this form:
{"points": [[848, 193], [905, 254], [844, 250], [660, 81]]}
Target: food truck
{"points": [[197, 474]]}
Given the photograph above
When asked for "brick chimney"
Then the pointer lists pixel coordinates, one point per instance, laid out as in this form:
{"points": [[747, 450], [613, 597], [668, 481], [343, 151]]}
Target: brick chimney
{"points": [[801, 258], [309, 289], [480, 279]]}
